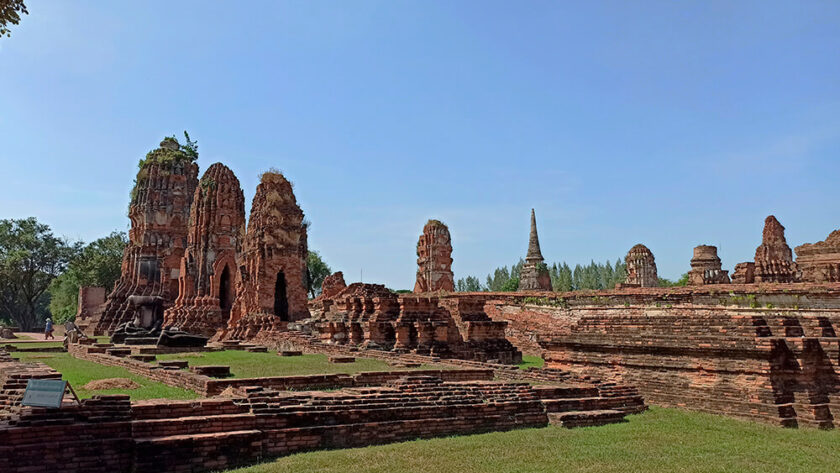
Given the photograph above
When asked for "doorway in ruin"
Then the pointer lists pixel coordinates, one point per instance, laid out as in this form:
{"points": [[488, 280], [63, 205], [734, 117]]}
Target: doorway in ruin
{"points": [[225, 293], [281, 303]]}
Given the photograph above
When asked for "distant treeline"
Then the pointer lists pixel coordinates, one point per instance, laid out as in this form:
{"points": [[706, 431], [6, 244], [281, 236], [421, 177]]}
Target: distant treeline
{"points": [[563, 278]]}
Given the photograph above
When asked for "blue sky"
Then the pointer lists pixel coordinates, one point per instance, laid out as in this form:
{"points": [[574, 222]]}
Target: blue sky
{"points": [[669, 123]]}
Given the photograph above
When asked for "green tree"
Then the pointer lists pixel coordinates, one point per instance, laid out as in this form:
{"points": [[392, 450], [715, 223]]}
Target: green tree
{"points": [[30, 258], [511, 285], [98, 264], [468, 284], [316, 271], [682, 281], [10, 11]]}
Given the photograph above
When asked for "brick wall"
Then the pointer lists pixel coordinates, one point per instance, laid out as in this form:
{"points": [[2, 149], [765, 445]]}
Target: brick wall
{"points": [[762, 352]]}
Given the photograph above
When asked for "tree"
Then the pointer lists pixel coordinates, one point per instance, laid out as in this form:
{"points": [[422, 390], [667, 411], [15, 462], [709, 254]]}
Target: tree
{"points": [[682, 281], [468, 284], [10, 11], [316, 271], [30, 258], [98, 264]]}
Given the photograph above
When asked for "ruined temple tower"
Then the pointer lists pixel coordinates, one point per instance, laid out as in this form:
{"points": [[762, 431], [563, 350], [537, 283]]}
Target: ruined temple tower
{"points": [[820, 262], [706, 267], [641, 267], [773, 258], [272, 276], [207, 283], [159, 212], [434, 259], [534, 275]]}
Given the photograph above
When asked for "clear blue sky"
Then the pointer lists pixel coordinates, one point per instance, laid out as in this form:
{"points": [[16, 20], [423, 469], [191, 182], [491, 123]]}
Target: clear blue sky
{"points": [[669, 123]]}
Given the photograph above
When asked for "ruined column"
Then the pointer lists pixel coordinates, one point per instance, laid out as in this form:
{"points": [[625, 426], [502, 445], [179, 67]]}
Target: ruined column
{"points": [[434, 259]]}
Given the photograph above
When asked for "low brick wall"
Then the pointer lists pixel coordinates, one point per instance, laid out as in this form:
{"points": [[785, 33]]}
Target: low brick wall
{"points": [[207, 386], [107, 434]]}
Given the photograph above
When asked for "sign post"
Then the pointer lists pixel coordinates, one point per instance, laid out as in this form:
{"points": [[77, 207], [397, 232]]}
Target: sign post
{"points": [[44, 393]]}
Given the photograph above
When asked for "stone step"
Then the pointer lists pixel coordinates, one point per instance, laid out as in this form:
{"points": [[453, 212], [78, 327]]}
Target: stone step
{"points": [[213, 371], [586, 418], [143, 358]]}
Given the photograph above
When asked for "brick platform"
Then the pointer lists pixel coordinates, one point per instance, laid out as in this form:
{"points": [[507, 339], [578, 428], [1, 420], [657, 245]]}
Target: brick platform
{"points": [[108, 434]]}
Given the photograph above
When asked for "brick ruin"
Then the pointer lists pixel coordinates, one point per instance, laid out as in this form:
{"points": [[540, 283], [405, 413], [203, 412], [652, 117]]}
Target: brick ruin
{"points": [[641, 268], [773, 258], [371, 316], [159, 212], [434, 259], [534, 275], [271, 289], [820, 262], [262, 418], [207, 282], [332, 285], [191, 264], [706, 267]]}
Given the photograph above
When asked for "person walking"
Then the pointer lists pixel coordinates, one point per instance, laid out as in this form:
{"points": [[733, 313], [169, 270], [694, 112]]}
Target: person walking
{"points": [[48, 330]]}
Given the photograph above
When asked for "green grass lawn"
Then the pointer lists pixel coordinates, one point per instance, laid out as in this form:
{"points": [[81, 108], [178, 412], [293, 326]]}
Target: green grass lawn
{"points": [[529, 361], [80, 372], [47, 344], [661, 440], [245, 364]]}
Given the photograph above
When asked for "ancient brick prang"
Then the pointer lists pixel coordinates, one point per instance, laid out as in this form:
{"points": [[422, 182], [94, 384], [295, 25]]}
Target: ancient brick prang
{"points": [[706, 267], [159, 213], [272, 278], [371, 316], [434, 259], [773, 258], [641, 267], [207, 283], [820, 262], [534, 275]]}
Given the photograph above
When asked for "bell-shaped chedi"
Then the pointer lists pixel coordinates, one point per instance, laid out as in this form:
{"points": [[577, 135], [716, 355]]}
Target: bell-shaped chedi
{"points": [[706, 267], [534, 275], [820, 262], [641, 267], [207, 283], [773, 258], [271, 289], [434, 259], [159, 212]]}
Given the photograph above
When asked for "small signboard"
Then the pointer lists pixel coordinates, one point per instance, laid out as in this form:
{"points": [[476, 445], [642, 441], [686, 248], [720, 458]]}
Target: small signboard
{"points": [[44, 393]]}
